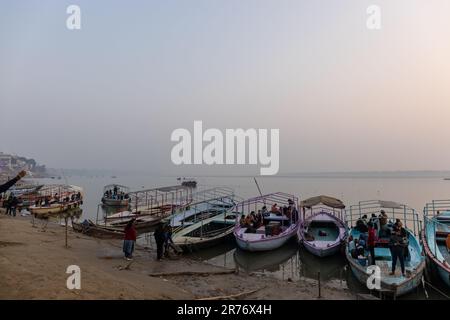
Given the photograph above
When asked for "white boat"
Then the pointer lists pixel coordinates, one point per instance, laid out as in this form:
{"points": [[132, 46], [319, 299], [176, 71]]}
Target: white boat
{"points": [[276, 230], [115, 195], [204, 204], [205, 233], [323, 230]]}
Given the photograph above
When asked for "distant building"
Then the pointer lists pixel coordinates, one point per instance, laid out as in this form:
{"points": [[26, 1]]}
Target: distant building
{"points": [[6, 161], [11, 163]]}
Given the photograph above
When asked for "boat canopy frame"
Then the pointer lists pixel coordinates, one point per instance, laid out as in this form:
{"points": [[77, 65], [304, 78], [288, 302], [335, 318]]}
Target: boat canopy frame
{"points": [[217, 194], [392, 209], [266, 200], [323, 204]]}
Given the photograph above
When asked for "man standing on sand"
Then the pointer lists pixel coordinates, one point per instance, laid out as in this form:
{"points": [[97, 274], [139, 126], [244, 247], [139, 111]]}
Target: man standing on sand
{"points": [[129, 239], [160, 239]]}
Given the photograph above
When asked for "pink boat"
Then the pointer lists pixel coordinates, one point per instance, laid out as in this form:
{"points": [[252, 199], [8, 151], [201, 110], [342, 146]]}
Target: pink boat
{"points": [[277, 223], [323, 230]]}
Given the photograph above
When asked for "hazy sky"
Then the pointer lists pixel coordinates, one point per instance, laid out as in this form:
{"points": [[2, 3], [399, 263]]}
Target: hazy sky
{"points": [[345, 98]]}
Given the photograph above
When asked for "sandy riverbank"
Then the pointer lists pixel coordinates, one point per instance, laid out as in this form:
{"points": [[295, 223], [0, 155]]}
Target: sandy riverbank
{"points": [[33, 263]]}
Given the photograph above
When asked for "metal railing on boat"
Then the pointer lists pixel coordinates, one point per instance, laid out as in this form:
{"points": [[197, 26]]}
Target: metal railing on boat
{"points": [[393, 210], [209, 197]]}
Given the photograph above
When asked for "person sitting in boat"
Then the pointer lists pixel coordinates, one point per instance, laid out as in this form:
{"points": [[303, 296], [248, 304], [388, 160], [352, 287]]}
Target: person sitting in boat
{"points": [[361, 224], [352, 247], [275, 208], [242, 221], [290, 203], [309, 236], [258, 220], [249, 223], [374, 220], [362, 241]]}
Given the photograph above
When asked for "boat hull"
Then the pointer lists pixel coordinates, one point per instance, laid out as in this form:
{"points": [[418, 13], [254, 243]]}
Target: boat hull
{"points": [[203, 243], [265, 244], [115, 202], [97, 231], [322, 252], [442, 269], [52, 209], [407, 286]]}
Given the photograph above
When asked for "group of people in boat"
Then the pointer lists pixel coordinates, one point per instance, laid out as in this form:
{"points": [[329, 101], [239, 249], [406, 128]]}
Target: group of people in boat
{"points": [[253, 221], [46, 201], [115, 194], [380, 232]]}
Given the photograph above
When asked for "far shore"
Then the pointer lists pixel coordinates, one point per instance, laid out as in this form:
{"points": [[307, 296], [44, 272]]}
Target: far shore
{"points": [[33, 264]]}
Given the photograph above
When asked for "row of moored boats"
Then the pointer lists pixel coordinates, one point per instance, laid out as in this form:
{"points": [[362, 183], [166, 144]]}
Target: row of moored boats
{"points": [[323, 225]]}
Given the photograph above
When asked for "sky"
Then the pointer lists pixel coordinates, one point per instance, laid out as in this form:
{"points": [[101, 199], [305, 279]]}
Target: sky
{"points": [[345, 98]]}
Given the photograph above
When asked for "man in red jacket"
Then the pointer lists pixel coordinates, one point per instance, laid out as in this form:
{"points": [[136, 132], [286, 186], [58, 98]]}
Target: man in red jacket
{"points": [[372, 237], [129, 239]]}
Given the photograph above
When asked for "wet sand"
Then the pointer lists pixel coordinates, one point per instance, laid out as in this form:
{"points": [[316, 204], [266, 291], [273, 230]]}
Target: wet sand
{"points": [[33, 265]]}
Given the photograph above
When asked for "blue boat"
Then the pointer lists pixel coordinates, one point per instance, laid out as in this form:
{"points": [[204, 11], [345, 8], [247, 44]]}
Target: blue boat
{"points": [[397, 284], [434, 236]]}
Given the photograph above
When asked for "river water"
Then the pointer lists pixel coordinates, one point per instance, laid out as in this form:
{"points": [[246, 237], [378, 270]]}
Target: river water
{"points": [[289, 263]]}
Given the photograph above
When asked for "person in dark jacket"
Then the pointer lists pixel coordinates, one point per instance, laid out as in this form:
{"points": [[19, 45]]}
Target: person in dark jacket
{"points": [[10, 183], [13, 206], [398, 243], [168, 241], [129, 239], [160, 239]]}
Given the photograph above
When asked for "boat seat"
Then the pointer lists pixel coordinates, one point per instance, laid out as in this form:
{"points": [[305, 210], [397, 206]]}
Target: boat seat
{"points": [[383, 253]]}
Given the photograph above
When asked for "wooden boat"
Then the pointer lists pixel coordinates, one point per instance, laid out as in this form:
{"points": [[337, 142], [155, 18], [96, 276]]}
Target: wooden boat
{"points": [[323, 230], [56, 199], [205, 233], [435, 234], [276, 229], [115, 195], [395, 285], [53, 209], [91, 229], [142, 225]]}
